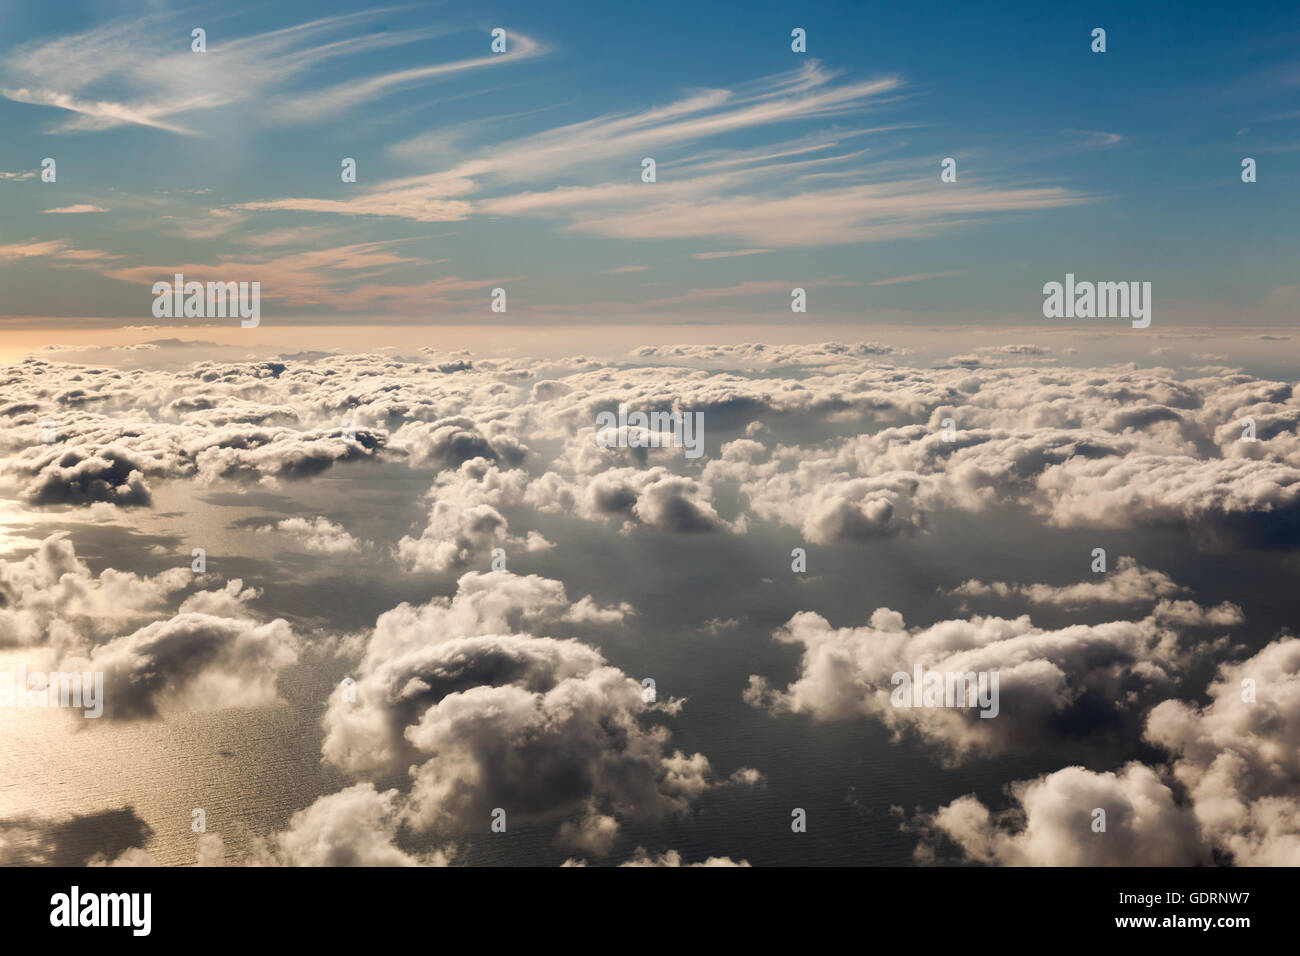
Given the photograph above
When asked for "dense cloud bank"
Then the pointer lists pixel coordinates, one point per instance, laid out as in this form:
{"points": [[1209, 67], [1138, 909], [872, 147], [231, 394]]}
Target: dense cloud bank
{"points": [[501, 695], [879, 447]]}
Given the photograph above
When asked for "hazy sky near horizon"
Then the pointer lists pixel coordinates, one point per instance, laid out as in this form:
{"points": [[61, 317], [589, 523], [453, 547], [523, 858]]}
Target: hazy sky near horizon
{"points": [[522, 170]]}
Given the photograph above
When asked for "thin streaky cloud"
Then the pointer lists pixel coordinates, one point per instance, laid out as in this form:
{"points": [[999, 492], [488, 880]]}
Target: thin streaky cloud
{"points": [[60, 249], [346, 96], [801, 94], [74, 73], [105, 114], [340, 278], [79, 208], [1096, 138], [854, 214], [919, 277], [739, 194], [729, 254]]}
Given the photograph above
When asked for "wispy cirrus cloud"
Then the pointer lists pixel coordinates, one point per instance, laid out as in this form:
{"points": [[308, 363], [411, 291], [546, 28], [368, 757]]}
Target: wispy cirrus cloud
{"points": [[344, 96], [51, 249], [1095, 139], [355, 277], [862, 213], [77, 208], [803, 94], [709, 297], [806, 191], [729, 254], [112, 75], [918, 277]]}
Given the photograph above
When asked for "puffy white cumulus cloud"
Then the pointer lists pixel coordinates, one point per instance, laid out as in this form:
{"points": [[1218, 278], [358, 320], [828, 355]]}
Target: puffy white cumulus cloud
{"points": [[78, 434], [1237, 756], [192, 662], [1169, 613], [211, 654], [887, 483], [211, 850], [316, 534], [859, 510], [269, 454], [1129, 583], [455, 535], [674, 858], [52, 598], [653, 498], [393, 696], [358, 826], [1273, 408], [450, 442], [748, 777], [1053, 686], [589, 451], [81, 474], [464, 522], [495, 602], [593, 833], [564, 733], [487, 715], [92, 459], [1230, 792], [1244, 501], [663, 502], [1071, 478], [1051, 823]]}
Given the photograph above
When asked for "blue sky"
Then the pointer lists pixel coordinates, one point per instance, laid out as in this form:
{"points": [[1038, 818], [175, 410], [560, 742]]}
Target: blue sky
{"points": [[775, 169]]}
